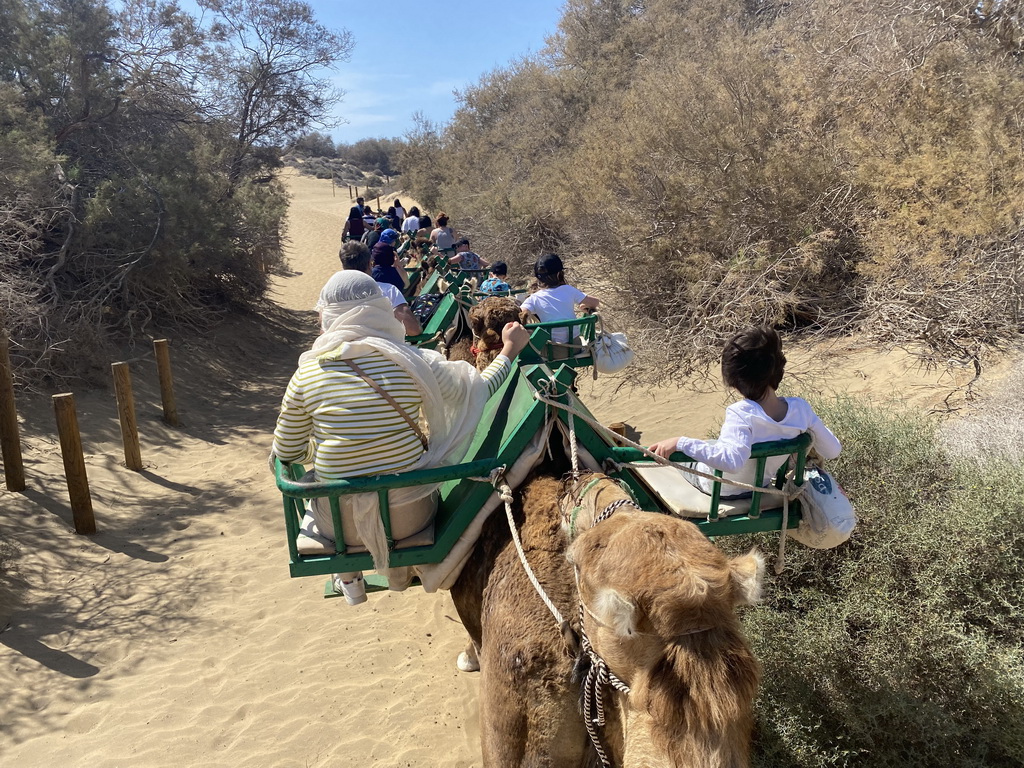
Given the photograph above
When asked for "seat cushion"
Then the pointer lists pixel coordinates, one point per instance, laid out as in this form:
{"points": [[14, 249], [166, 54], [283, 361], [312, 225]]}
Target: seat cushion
{"points": [[682, 498]]}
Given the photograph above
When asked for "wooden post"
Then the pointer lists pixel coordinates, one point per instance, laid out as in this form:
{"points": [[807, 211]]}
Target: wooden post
{"points": [[10, 441], [126, 413], [163, 367], [332, 184], [74, 463], [618, 427]]}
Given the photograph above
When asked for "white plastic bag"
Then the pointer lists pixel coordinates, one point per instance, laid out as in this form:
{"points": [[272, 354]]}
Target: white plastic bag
{"points": [[611, 352], [828, 516]]}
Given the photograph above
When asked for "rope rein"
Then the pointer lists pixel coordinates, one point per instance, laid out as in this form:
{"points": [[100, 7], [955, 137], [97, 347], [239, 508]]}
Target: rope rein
{"points": [[506, 496], [596, 678], [597, 675]]}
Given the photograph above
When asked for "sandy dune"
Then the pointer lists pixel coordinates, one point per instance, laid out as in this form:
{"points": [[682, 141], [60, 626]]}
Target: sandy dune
{"points": [[175, 637]]}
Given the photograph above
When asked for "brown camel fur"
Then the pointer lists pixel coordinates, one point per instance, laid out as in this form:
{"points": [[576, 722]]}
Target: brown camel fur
{"points": [[528, 714], [661, 601], [486, 321]]}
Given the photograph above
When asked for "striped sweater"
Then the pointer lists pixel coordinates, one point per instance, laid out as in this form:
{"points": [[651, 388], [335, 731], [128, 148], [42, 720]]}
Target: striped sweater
{"points": [[354, 430]]}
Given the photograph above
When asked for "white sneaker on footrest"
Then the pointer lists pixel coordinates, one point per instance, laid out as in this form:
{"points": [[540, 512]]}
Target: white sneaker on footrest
{"points": [[354, 591]]}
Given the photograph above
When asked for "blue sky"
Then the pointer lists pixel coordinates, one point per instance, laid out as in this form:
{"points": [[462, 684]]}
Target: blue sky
{"points": [[410, 56]]}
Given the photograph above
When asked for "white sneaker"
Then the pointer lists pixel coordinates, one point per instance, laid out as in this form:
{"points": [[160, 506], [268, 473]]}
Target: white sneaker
{"points": [[354, 591]]}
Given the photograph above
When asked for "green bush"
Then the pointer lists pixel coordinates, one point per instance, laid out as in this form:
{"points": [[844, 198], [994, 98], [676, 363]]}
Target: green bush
{"points": [[902, 647]]}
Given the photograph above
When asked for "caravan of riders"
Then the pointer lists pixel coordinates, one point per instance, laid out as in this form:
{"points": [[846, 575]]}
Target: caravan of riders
{"points": [[363, 401]]}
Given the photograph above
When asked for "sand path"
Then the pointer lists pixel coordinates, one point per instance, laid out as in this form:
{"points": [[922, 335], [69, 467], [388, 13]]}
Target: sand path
{"points": [[175, 637]]}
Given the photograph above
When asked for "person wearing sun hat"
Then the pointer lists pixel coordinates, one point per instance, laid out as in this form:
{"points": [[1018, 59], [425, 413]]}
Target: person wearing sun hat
{"points": [[384, 258]]}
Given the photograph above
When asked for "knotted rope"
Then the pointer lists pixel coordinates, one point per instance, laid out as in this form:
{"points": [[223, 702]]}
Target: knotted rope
{"points": [[593, 672]]}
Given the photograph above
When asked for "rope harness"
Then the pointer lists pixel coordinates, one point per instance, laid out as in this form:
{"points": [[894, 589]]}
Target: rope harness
{"points": [[592, 671], [594, 675]]}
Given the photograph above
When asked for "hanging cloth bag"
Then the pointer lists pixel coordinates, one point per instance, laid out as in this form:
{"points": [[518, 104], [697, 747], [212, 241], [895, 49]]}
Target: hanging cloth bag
{"points": [[611, 351], [828, 516]]}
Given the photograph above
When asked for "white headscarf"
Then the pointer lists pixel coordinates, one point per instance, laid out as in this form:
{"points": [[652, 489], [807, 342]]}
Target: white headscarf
{"points": [[357, 320], [352, 308]]}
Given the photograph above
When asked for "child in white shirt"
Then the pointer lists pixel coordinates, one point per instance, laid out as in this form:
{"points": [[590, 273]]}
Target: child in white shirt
{"points": [[556, 299], [753, 364]]}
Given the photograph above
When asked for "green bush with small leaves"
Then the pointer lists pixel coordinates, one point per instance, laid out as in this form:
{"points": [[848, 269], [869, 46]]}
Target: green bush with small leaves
{"points": [[901, 647]]}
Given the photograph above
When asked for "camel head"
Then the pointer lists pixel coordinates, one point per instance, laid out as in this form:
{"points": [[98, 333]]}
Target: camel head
{"points": [[487, 319], [660, 608]]}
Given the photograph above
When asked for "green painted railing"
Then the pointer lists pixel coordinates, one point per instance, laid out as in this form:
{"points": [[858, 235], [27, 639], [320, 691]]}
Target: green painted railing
{"points": [[510, 420], [542, 349]]}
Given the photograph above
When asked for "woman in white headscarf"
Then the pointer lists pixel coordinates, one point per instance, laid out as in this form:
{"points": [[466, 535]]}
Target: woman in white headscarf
{"points": [[335, 413]]}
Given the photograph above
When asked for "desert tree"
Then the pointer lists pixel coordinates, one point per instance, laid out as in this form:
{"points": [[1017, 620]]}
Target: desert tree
{"points": [[117, 210], [265, 71], [420, 158], [313, 144]]}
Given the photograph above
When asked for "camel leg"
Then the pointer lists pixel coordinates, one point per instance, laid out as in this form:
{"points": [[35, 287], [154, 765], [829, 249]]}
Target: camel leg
{"points": [[502, 723], [469, 659]]}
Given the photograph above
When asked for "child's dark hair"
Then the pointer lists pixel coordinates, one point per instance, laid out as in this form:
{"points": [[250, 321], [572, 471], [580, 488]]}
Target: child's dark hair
{"points": [[499, 268], [752, 361], [549, 271]]}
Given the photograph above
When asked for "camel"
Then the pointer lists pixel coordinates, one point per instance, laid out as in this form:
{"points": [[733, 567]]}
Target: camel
{"points": [[480, 342], [658, 606]]}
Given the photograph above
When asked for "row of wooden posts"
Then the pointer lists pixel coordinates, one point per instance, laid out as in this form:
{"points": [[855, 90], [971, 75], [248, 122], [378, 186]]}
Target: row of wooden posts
{"points": [[353, 192], [67, 430]]}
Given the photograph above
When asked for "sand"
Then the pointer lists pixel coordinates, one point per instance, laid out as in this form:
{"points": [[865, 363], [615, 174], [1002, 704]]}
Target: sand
{"points": [[174, 636]]}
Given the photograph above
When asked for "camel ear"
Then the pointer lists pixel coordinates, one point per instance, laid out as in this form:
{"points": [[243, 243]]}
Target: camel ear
{"points": [[615, 610], [747, 573]]}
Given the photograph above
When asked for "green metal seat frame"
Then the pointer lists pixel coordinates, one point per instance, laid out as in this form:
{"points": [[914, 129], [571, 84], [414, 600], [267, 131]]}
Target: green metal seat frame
{"points": [[511, 418], [754, 521], [542, 349], [481, 295]]}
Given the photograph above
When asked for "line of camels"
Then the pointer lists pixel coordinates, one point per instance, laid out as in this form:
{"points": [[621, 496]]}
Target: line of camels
{"points": [[650, 610]]}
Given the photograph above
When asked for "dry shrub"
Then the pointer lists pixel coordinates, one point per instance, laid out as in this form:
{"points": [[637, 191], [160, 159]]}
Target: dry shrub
{"points": [[817, 167]]}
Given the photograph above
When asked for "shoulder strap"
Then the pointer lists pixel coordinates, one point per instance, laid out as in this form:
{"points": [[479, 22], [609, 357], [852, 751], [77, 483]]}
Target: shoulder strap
{"points": [[394, 403]]}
